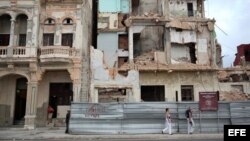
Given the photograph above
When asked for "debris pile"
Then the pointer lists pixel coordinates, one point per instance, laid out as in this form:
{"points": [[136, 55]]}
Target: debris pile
{"points": [[233, 96]]}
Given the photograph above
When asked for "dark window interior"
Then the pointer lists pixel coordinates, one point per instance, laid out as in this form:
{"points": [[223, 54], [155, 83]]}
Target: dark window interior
{"points": [[22, 40], [190, 9], [4, 39], [67, 39], [48, 39], [192, 53], [187, 93], [60, 94], [153, 93]]}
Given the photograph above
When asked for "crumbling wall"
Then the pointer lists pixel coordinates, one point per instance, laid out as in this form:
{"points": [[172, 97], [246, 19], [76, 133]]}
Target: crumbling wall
{"points": [[108, 44], [178, 8], [148, 6], [180, 53], [103, 77], [150, 39]]}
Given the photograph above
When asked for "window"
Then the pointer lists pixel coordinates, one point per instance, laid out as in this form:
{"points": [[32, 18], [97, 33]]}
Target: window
{"points": [[67, 39], [49, 21], [153, 93], [190, 9], [192, 53], [4, 39], [123, 41], [122, 60], [68, 21], [247, 54], [48, 39], [187, 93], [22, 40]]}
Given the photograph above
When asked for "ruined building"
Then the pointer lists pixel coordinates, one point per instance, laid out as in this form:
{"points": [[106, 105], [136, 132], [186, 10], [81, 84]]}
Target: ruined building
{"points": [[54, 52]]}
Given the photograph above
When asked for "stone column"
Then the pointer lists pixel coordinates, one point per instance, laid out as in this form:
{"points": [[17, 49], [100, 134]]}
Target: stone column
{"points": [[76, 90], [12, 34], [29, 33], [131, 44], [167, 48], [75, 75], [31, 105], [58, 35]]}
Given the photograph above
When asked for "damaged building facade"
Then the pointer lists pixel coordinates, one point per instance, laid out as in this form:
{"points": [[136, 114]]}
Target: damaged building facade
{"points": [[143, 50], [44, 59], [171, 46]]}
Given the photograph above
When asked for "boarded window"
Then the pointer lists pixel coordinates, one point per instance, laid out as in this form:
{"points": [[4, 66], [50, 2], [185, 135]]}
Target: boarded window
{"points": [[190, 9], [48, 39], [153, 93], [187, 93], [4, 39], [22, 40], [67, 39]]}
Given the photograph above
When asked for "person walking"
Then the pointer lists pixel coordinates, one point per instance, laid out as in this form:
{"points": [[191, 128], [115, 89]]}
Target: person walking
{"points": [[67, 121], [190, 121], [168, 125], [50, 114]]}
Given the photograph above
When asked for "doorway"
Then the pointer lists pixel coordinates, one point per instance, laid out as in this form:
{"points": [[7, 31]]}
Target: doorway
{"points": [[60, 94], [20, 101]]}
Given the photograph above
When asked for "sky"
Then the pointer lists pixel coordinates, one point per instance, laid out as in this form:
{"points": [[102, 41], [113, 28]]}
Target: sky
{"points": [[232, 25]]}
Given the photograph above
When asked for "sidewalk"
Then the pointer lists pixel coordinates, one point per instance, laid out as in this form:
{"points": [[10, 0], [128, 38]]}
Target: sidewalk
{"points": [[58, 133]]}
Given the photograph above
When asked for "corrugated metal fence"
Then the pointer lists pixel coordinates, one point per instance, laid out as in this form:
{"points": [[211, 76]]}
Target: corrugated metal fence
{"points": [[136, 118]]}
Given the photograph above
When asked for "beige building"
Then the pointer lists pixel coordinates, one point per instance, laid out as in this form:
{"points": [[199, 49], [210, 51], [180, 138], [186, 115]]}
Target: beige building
{"points": [[147, 50], [42, 45]]}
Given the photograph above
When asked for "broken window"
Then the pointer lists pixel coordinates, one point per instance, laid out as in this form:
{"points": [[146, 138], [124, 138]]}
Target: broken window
{"points": [[48, 39], [135, 7], [153, 93], [190, 9], [106, 95], [49, 21], [247, 54], [68, 21], [187, 93], [122, 60], [192, 53], [67, 39], [4, 39], [123, 41], [22, 40]]}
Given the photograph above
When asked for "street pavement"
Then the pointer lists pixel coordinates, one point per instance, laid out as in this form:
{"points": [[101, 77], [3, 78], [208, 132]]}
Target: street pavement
{"points": [[57, 134]]}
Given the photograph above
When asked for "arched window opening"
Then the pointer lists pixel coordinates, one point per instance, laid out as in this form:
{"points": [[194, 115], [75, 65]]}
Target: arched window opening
{"points": [[21, 29], [5, 30], [50, 21], [68, 21]]}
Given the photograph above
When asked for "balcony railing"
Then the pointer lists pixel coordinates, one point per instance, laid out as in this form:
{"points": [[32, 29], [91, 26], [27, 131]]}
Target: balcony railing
{"points": [[60, 52], [17, 52]]}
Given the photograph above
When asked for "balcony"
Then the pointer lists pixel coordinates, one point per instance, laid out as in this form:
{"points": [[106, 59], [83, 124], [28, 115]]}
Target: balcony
{"points": [[17, 54], [58, 54]]}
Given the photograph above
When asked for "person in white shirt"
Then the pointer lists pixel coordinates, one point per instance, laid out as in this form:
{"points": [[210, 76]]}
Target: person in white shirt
{"points": [[168, 125]]}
